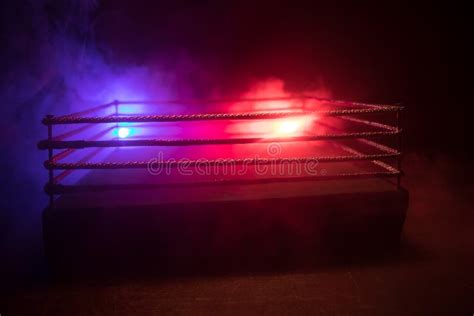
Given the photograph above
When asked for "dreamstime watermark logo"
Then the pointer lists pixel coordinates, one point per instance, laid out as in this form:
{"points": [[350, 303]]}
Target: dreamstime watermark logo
{"points": [[274, 149], [271, 165]]}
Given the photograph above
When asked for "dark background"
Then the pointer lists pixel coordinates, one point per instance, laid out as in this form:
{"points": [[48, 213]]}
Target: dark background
{"points": [[415, 54], [56, 53]]}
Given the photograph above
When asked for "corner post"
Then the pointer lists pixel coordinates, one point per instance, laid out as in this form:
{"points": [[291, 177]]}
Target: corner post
{"points": [[50, 161], [116, 105], [399, 147]]}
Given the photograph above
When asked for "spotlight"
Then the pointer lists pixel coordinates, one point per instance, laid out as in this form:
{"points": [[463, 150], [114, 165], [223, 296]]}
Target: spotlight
{"points": [[123, 132], [290, 127]]}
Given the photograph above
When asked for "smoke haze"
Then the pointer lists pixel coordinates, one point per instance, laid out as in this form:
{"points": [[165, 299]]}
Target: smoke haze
{"points": [[62, 56]]}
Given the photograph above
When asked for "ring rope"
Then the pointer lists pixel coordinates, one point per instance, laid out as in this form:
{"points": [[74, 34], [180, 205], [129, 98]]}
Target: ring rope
{"points": [[63, 189], [47, 144], [212, 162], [71, 119]]}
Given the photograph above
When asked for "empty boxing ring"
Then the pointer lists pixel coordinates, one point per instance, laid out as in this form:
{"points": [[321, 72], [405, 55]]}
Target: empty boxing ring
{"points": [[275, 162]]}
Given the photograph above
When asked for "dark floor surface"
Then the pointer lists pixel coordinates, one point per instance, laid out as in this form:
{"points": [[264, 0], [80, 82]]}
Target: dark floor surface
{"points": [[432, 275]]}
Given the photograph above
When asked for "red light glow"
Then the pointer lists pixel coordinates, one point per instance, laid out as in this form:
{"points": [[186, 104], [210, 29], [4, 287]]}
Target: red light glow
{"points": [[294, 126], [291, 126]]}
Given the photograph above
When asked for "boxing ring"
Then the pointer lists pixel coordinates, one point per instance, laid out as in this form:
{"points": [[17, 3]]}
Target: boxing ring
{"points": [[344, 111], [256, 156]]}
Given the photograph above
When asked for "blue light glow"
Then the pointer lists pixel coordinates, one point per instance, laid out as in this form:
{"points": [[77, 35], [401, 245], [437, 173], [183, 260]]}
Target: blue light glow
{"points": [[123, 132]]}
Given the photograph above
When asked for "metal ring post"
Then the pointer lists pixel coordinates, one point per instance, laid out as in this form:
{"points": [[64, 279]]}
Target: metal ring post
{"points": [[399, 147], [50, 160]]}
